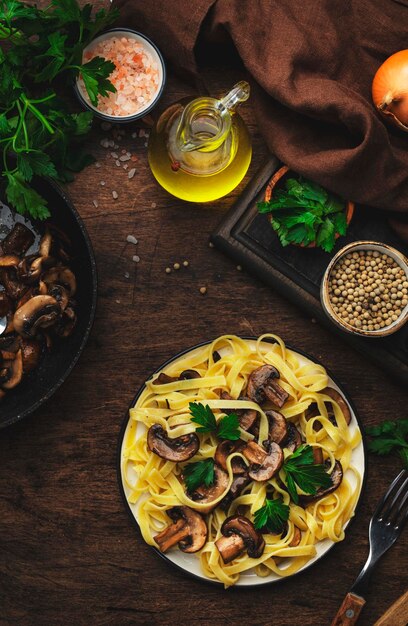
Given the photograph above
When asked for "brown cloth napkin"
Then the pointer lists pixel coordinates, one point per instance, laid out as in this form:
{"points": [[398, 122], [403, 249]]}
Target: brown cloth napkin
{"points": [[312, 65]]}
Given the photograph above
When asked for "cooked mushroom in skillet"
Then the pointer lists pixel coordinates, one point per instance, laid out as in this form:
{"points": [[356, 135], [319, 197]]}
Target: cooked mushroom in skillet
{"points": [[336, 478], [172, 449], [188, 530], [35, 297], [264, 463], [239, 534], [262, 385], [207, 495]]}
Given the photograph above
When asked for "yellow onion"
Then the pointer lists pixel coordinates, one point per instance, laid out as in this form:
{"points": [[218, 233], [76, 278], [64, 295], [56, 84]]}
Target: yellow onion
{"points": [[390, 89]]}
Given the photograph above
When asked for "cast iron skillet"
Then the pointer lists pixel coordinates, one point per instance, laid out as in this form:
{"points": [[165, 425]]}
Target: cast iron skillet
{"points": [[41, 383]]}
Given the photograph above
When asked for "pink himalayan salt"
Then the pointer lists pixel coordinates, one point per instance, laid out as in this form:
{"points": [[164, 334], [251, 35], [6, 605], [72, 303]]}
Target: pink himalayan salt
{"points": [[136, 75]]}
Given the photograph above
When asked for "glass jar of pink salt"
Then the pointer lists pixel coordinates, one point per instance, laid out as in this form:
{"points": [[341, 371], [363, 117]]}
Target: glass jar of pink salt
{"points": [[138, 76]]}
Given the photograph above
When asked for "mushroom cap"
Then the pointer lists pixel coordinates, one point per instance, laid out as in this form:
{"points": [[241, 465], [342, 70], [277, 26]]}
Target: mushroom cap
{"points": [[237, 486], [244, 528], [336, 478], [224, 450], [62, 276], [189, 375], [31, 353], [247, 417], [172, 449], [38, 312], [188, 530], [266, 465], [337, 397]]}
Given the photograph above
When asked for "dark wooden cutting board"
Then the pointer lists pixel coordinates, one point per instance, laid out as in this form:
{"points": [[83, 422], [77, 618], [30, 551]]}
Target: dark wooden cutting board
{"points": [[296, 272]]}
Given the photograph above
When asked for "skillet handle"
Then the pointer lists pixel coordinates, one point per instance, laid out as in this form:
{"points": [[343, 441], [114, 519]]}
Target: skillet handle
{"points": [[349, 611]]}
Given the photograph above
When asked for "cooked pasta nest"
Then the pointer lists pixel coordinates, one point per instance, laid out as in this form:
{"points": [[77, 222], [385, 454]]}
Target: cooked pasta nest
{"points": [[154, 485]]}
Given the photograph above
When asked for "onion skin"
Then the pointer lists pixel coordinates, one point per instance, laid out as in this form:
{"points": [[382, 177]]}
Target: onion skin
{"points": [[390, 90]]}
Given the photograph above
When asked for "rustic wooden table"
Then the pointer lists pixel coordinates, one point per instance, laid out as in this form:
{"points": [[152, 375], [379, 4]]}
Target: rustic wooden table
{"points": [[69, 554]]}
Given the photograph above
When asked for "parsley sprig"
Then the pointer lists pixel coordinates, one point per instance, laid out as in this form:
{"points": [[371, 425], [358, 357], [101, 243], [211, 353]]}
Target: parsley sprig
{"points": [[38, 134], [390, 437], [200, 473], [304, 212], [226, 428], [301, 470], [272, 516]]}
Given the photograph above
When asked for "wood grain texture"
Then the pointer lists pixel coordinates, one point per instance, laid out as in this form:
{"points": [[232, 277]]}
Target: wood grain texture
{"points": [[69, 554], [397, 614], [348, 613]]}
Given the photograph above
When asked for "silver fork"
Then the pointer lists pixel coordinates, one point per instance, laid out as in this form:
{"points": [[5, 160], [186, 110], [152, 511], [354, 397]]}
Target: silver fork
{"points": [[386, 526]]}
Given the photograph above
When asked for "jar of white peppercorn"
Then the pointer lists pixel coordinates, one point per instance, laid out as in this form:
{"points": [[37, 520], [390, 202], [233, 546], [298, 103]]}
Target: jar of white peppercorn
{"points": [[364, 289]]}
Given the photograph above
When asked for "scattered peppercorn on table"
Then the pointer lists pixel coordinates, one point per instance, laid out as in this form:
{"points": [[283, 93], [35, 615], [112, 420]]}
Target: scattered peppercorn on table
{"points": [[69, 554]]}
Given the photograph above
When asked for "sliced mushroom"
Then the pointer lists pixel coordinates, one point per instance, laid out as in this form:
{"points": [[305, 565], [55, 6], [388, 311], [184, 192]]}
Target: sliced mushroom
{"points": [[265, 464], [336, 478], [239, 534], [313, 409], [224, 450], [45, 244], [172, 449], [237, 487], [216, 356], [30, 293], [18, 240], [293, 439], [189, 375], [10, 342], [207, 495], [16, 372], [278, 429], [62, 276], [13, 287], [262, 386], [9, 260], [317, 456], [188, 530], [247, 417], [31, 353], [297, 536], [38, 312], [64, 326]]}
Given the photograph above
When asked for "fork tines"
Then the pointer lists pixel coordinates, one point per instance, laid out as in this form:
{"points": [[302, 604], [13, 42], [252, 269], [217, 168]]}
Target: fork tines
{"points": [[393, 508]]}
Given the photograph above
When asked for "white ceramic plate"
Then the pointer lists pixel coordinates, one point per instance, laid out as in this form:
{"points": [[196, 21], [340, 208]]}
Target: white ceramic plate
{"points": [[189, 562]]}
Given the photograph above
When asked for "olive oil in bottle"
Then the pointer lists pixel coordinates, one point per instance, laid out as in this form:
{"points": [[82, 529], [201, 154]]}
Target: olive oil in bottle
{"points": [[200, 150]]}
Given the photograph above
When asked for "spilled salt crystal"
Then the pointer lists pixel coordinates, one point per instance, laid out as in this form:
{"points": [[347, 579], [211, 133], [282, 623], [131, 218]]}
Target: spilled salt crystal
{"points": [[131, 239], [136, 258], [131, 172], [115, 195]]}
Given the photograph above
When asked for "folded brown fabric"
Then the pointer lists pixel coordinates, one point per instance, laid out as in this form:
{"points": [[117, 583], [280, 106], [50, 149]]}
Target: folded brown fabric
{"points": [[312, 65]]}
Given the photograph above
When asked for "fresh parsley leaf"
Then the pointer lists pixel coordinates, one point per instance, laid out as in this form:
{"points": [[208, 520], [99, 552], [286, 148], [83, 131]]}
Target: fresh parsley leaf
{"points": [[390, 436], [200, 473], [272, 516], [83, 122], [36, 162], [67, 10], [339, 222], [95, 76], [203, 416], [226, 428], [300, 470], [54, 58], [24, 198], [326, 235], [12, 9]]}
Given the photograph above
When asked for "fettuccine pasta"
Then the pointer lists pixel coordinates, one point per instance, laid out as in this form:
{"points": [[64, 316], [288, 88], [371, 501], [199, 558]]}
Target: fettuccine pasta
{"points": [[155, 484]]}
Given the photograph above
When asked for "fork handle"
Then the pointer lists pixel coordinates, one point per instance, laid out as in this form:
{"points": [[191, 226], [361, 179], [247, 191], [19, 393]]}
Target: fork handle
{"points": [[349, 611]]}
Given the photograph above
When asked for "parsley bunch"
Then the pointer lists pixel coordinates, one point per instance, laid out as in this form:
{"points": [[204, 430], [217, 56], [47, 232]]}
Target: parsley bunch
{"points": [[272, 516], [304, 212], [38, 134], [390, 437], [200, 473]]}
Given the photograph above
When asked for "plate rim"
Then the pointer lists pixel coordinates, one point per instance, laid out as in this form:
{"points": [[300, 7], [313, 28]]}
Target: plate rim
{"points": [[164, 557], [33, 408]]}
